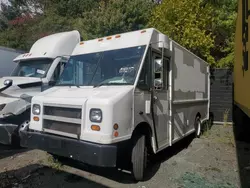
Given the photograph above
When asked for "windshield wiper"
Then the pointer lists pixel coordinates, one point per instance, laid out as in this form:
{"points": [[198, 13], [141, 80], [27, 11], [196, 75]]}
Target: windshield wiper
{"points": [[108, 84], [70, 85]]}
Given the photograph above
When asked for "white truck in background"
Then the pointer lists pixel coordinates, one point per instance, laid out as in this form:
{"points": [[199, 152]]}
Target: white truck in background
{"points": [[35, 71], [6, 60], [134, 93]]}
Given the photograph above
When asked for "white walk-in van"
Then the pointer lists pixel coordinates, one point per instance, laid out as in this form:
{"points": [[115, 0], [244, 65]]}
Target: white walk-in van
{"points": [[137, 92], [34, 71]]}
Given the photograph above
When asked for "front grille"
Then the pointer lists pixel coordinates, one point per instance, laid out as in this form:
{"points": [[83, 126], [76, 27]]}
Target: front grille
{"points": [[63, 112], [62, 126]]}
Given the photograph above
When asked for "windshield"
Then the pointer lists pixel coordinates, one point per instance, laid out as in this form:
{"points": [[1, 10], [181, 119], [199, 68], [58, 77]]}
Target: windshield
{"points": [[114, 67], [33, 68]]}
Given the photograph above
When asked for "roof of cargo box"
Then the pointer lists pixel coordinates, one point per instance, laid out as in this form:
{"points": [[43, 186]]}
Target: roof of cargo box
{"points": [[52, 46], [118, 41]]}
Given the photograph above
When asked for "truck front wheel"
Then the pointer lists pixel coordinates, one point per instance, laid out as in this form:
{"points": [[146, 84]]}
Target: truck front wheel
{"points": [[139, 157]]}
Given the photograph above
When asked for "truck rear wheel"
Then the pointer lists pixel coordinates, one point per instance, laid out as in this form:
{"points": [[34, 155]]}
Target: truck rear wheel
{"points": [[197, 127], [139, 157]]}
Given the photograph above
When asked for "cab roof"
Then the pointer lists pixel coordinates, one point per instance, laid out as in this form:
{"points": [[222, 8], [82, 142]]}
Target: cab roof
{"points": [[52, 46], [118, 41]]}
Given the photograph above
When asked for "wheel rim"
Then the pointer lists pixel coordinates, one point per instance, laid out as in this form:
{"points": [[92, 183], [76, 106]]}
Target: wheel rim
{"points": [[198, 127]]}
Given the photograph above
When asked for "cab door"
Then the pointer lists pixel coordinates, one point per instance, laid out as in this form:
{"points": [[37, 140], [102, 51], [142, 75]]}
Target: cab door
{"points": [[159, 98]]}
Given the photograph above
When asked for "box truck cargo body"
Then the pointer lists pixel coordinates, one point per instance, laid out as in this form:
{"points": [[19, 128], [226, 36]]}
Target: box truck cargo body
{"points": [[241, 74], [132, 94]]}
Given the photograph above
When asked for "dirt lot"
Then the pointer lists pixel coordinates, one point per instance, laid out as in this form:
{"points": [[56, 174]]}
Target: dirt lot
{"points": [[212, 161]]}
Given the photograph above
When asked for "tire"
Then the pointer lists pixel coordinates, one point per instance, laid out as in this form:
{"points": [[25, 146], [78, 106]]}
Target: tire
{"points": [[139, 157], [197, 127], [211, 120]]}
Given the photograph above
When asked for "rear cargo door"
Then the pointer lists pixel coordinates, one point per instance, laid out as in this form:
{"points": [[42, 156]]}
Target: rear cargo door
{"points": [[160, 98]]}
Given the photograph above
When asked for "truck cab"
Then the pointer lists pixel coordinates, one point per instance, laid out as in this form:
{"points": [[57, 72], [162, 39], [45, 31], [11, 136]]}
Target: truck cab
{"points": [[130, 94], [34, 72]]}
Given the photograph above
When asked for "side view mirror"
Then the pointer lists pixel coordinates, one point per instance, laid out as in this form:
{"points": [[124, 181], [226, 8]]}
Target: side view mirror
{"points": [[158, 65], [8, 82], [158, 83]]}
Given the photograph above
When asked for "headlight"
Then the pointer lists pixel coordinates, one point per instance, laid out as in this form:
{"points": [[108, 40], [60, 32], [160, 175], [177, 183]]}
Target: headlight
{"points": [[2, 106], [36, 109], [95, 115]]}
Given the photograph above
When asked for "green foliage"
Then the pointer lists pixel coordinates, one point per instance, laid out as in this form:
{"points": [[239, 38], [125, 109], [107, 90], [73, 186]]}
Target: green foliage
{"points": [[206, 27], [116, 16], [188, 23], [72, 8], [224, 32]]}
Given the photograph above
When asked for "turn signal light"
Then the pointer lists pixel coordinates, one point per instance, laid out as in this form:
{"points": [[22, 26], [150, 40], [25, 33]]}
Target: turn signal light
{"points": [[95, 127], [35, 118]]}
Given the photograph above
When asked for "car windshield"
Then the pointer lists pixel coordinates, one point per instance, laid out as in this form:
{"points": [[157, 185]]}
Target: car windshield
{"points": [[33, 68], [114, 67]]}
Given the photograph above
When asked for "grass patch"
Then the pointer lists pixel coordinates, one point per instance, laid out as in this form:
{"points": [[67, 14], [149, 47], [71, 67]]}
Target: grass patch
{"points": [[225, 117], [193, 180], [206, 129], [213, 169], [54, 163], [225, 137]]}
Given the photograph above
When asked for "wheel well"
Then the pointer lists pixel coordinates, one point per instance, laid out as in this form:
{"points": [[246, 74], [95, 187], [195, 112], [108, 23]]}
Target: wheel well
{"points": [[144, 128]]}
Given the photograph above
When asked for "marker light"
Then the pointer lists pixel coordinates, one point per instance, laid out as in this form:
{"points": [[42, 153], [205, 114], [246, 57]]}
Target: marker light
{"points": [[35, 118], [116, 126], [95, 128], [116, 134]]}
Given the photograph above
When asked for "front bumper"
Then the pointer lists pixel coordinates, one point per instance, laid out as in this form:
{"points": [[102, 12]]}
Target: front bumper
{"points": [[6, 133], [86, 152]]}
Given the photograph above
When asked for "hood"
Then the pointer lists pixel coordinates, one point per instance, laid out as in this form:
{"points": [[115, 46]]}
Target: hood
{"points": [[104, 92], [19, 80], [20, 86]]}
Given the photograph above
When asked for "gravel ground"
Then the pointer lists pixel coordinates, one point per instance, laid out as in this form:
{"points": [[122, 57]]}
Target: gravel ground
{"points": [[212, 161]]}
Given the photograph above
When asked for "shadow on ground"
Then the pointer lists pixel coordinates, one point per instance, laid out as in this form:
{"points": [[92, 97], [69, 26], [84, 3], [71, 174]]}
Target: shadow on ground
{"points": [[7, 151], [123, 174], [44, 177], [243, 159]]}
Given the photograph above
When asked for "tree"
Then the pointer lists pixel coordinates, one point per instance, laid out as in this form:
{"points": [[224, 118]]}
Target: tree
{"points": [[188, 23], [223, 29], [114, 16]]}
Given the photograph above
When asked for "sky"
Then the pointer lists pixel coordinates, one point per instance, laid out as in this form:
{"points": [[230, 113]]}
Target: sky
{"points": [[3, 1]]}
